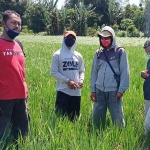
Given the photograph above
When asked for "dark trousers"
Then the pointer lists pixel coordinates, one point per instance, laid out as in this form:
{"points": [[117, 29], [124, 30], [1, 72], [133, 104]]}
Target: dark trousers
{"points": [[68, 105], [15, 113]]}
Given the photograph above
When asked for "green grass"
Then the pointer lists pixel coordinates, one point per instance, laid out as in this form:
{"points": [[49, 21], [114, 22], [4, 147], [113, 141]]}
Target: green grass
{"points": [[47, 132]]}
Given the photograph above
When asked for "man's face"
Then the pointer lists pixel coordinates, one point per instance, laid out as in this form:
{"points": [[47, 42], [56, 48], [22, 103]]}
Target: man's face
{"points": [[69, 41], [13, 23], [106, 41]]}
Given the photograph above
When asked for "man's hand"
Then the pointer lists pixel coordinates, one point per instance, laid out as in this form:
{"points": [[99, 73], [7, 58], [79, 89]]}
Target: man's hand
{"points": [[72, 84], [118, 95], [144, 74], [80, 84], [93, 96]]}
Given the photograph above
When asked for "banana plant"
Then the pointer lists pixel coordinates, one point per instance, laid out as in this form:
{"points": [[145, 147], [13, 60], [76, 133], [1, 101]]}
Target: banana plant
{"points": [[83, 13]]}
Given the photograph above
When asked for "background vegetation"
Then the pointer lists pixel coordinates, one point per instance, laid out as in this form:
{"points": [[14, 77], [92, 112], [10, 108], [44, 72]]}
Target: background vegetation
{"points": [[47, 132], [85, 17]]}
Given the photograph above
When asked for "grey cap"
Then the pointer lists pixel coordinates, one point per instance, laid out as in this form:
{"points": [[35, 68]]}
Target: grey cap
{"points": [[146, 44], [105, 33]]}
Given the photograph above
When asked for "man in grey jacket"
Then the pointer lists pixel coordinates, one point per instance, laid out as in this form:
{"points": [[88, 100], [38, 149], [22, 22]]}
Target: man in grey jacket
{"points": [[104, 90], [68, 69]]}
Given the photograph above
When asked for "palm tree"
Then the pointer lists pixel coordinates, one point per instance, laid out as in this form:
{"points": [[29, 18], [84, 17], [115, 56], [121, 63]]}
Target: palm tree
{"points": [[53, 25], [83, 13], [114, 11]]}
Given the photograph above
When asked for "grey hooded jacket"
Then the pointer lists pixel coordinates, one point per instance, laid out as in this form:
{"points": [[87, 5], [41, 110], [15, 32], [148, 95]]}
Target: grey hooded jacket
{"points": [[102, 77], [67, 65]]}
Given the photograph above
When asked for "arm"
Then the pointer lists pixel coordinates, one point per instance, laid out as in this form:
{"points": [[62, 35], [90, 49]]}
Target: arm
{"points": [[124, 73], [94, 74], [81, 73], [54, 70]]}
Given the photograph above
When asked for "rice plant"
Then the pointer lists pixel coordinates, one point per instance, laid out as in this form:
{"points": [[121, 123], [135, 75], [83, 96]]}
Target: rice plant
{"points": [[48, 132]]}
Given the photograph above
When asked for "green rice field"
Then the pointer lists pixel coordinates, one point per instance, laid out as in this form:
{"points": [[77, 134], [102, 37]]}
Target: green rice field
{"points": [[47, 132]]}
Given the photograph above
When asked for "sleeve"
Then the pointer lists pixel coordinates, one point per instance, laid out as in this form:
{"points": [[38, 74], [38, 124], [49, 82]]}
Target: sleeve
{"points": [[81, 69], [94, 74], [124, 73], [54, 70]]}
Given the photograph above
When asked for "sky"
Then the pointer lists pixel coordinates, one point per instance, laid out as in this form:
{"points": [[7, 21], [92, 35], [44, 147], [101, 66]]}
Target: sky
{"points": [[134, 2], [61, 3]]}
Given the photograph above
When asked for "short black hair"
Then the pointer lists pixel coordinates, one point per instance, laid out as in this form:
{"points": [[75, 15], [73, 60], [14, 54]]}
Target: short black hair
{"points": [[8, 13]]}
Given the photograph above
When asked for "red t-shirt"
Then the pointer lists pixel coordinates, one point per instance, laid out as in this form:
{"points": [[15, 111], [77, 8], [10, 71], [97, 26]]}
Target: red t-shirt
{"points": [[12, 71]]}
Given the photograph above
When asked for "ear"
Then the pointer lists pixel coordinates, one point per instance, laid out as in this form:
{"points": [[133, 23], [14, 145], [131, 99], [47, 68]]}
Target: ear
{"points": [[3, 24]]}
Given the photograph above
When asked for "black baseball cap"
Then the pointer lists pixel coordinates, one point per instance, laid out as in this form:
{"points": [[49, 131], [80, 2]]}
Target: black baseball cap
{"points": [[146, 44]]}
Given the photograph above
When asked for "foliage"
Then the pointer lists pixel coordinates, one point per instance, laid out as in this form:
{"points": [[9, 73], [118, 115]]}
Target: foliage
{"points": [[71, 3], [78, 15], [91, 31], [129, 12], [47, 132], [25, 29], [36, 17], [1, 29], [102, 8], [121, 34], [18, 5], [53, 26], [132, 31], [115, 27], [82, 14], [114, 12], [139, 20], [125, 23], [30, 31]]}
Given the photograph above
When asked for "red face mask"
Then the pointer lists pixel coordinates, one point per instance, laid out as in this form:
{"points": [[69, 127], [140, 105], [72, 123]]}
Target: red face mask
{"points": [[106, 43]]}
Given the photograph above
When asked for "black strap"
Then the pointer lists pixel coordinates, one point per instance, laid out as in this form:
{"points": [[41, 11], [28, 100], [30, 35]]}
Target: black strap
{"points": [[109, 63], [20, 44], [1, 112]]}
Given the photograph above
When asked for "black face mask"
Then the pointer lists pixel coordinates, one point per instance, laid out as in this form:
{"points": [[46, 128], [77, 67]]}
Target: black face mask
{"points": [[69, 42], [11, 33]]}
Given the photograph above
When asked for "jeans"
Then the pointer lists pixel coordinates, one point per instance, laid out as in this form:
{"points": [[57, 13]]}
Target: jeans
{"points": [[106, 100]]}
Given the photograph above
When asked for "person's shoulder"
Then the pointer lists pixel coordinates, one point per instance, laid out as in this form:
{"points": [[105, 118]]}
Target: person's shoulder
{"points": [[119, 49], [1, 39], [57, 52], [78, 53], [99, 50], [18, 42]]}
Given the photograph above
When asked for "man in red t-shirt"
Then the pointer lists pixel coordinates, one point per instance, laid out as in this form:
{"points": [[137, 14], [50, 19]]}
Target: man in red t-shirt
{"points": [[13, 88]]}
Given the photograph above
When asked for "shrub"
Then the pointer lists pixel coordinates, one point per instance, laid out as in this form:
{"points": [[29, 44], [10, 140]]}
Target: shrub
{"points": [[91, 31], [25, 29], [115, 27], [132, 31], [121, 34], [30, 31]]}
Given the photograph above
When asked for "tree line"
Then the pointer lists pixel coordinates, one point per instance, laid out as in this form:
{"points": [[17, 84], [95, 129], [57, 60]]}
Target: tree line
{"points": [[85, 17]]}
